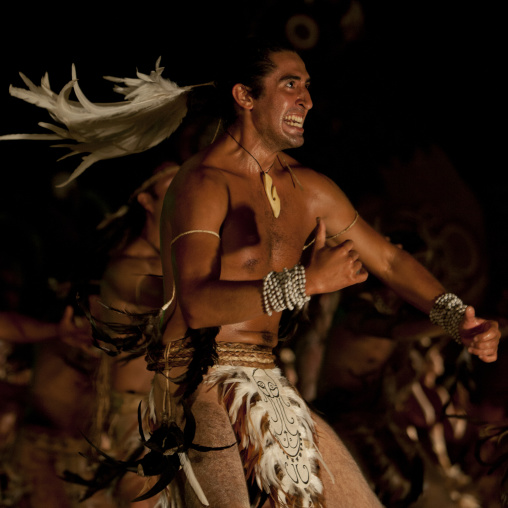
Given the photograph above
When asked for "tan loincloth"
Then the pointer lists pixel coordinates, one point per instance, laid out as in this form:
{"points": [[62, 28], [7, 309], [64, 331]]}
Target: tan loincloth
{"points": [[272, 423]]}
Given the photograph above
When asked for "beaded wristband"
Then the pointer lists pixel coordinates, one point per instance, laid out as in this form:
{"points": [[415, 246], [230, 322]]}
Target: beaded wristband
{"points": [[284, 290], [448, 312]]}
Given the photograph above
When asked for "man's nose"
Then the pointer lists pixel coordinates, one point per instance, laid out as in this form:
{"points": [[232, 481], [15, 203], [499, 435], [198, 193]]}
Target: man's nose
{"points": [[304, 99]]}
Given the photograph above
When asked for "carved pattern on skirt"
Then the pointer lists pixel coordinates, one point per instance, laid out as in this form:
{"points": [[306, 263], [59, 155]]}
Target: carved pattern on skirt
{"points": [[275, 432]]}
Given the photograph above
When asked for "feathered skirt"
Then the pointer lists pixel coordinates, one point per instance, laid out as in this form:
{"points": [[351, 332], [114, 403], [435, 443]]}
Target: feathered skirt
{"points": [[273, 426], [275, 433]]}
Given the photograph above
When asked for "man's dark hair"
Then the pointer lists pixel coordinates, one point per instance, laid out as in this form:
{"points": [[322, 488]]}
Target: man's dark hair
{"points": [[248, 64]]}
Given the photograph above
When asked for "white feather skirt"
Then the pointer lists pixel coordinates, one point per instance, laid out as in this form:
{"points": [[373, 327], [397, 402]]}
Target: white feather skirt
{"points": [[275, 433]]}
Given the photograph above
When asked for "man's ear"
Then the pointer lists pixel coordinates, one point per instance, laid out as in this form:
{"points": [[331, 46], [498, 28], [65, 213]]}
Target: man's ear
{"points": [[242, 96], [145, 200]]}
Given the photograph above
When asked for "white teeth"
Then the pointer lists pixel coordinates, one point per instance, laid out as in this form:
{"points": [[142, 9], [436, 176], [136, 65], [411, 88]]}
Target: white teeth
{"points": [[294, 120]]}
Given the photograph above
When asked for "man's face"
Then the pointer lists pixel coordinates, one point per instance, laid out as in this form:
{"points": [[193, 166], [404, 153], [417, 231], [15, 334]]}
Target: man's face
{"points": [[279, 113]]}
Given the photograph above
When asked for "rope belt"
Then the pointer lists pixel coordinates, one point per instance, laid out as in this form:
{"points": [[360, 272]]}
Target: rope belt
{"points": [[179, 353]]}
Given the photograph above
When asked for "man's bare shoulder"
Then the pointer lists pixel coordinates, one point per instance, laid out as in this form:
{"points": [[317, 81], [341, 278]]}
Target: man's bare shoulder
{"points": [[313, 180], [199, 176], [324, 197], [198, 197]]}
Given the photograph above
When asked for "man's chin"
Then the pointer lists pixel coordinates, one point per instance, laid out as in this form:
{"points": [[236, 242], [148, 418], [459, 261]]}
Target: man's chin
{"points": [[294, 142]]}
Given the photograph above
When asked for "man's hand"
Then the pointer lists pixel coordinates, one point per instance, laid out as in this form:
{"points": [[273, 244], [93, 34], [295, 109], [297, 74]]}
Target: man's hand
{"points": [[480, 336], [332, 268]]}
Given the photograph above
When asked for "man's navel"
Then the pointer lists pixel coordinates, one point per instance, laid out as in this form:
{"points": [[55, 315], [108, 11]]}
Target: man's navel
{"points": [[250, 264]]}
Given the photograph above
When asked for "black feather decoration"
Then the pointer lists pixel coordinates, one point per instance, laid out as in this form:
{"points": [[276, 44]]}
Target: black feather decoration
{"points": [[167, 444], [115, 338], [202, 340]]}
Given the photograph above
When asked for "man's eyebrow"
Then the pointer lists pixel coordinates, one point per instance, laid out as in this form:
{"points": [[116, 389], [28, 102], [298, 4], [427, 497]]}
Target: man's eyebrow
{"points": [[292, 77]]}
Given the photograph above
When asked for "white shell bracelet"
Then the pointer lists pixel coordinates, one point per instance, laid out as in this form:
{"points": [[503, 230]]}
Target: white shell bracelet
{"points": [[448, 312], [284, 290]]}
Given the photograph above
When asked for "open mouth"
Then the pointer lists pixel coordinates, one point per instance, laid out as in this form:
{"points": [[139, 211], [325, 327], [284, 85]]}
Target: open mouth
{"points": [[294, 120]]}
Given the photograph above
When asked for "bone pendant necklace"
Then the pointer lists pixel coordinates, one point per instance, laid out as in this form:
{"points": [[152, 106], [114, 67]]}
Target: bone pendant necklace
{"points": [[270, 190], [271, 193]]}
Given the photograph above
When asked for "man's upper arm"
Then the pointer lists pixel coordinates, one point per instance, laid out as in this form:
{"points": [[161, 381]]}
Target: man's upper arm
{"points": [[336, 210], [344, 223], [192, 217], [197, 201]]}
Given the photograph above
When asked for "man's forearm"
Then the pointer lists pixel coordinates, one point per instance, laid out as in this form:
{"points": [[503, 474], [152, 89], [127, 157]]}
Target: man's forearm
{"points": [[19, 328], [412, 281]]}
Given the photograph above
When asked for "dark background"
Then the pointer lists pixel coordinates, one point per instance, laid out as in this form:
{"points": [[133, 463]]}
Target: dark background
{"points": [[390, 80]]}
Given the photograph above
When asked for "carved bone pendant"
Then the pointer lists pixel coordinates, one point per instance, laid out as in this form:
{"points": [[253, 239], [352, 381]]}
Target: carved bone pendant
{"points": [[271, 193]]}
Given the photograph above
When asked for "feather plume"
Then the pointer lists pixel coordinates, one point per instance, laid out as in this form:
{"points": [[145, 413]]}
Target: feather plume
{"points": [[152, 110], [191, 477]]}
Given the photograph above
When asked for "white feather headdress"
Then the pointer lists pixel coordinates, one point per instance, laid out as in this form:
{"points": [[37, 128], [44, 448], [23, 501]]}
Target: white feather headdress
{"points": [[153, 109]]}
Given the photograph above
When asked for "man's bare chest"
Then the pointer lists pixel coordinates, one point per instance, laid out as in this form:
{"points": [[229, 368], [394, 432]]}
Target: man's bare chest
{"points": [[254, 241]]}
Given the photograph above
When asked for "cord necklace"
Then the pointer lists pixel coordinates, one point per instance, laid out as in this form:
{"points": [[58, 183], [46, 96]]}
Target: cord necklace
{"points": [[270, 190]]}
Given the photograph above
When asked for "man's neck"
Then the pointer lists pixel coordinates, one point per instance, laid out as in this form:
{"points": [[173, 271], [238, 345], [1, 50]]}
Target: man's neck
{"points": [[253, 149]]}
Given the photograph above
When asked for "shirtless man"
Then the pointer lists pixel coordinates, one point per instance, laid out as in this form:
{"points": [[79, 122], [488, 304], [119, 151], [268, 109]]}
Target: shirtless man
{"points": [[220, 238], [132, 282], [59, 406]]}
